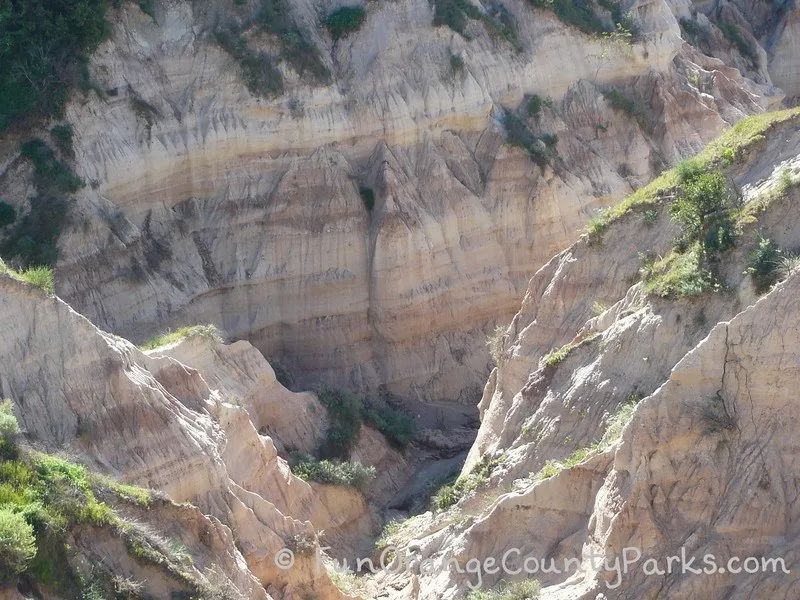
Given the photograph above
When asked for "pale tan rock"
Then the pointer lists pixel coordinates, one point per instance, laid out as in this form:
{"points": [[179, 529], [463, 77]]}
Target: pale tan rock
{"points": [[244, 378], [784, 62], [155, 422], [245, 213], [687, 470]]}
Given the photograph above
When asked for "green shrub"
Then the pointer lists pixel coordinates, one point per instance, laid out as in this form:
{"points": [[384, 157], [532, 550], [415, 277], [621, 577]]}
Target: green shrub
{"points": [[518, 134], [398, 427], [689, 169], [9, 430], [619, 102], [500, 24], [785, 183], [367, 197], [350, 474], [210, 332], [17, 543], [137, 496], [34, 239], [345, 20], [62, 136], [703, 208], [41, 277], [739, 41], [742, 135], [559, 355], [680, 274], [456, 14], [53, 496], [41, 44], [453, 491], [515, 590], [258, 70], [296, 49], [456, 64], [727, 156], [550, 139], [579, 15], [144, 111], [450, 13], [596, 227], [344, 410], [7, 214], [347, 411], [650, 216], [534, 105], [764, 264], [623, 20], [51, 175], [620, 419], [302, 543], [554, 467], [148, 7], [788, 265]]}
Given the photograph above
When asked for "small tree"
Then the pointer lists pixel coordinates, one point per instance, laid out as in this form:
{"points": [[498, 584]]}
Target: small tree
{"points": [[703, 211], [9, 429], [17, 544], [764, 264], [345, 20]]}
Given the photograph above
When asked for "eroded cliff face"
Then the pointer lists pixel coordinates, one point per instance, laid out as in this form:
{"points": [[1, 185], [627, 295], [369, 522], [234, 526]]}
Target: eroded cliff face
{"points": [[202, 435], [703, 386], [209, 205]]}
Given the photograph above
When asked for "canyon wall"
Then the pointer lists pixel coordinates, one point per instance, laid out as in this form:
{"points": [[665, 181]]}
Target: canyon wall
{"points": [[206, 204], [621, 418], [207, 435]]}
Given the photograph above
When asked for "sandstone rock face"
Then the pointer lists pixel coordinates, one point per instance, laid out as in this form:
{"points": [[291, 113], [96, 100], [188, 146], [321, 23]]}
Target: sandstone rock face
{"points": [[686, 472], [679, 478], [214, 206], [192, 433], [565, 294], [775, 27], [784, 63], [240, 374]]}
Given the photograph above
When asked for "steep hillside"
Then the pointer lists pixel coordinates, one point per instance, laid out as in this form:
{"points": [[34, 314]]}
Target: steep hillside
{"points": [[642, 399], [364, 209], [153, 421]]}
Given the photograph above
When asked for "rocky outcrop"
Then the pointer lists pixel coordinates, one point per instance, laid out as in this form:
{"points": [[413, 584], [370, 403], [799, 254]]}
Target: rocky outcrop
{"points": [[705, 462], [154, 421], [693, 473], [564, 302]]}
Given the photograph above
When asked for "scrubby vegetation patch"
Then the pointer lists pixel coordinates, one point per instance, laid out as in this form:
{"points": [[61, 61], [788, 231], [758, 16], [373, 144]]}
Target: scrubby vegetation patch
{"points": [[345, 20], [210, 332], [452, 492], [528, 589], [457, 14], [344, 473], [347, 411]]}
